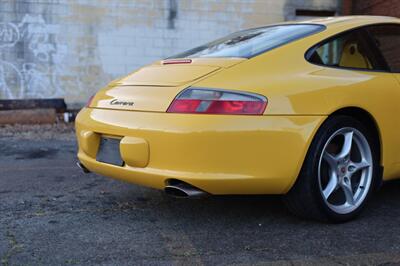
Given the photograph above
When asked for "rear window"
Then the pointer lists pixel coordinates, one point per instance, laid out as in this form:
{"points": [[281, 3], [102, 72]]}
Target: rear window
{"points": [[252, 42]]}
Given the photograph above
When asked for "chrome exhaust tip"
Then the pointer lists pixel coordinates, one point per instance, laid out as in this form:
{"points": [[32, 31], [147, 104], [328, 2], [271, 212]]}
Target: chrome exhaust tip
{"points": [[83, 168], [184, 190]]}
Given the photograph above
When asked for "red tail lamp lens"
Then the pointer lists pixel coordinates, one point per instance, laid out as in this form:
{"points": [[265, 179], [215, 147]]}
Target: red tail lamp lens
{"points": [[184, 106], [208, 101]]}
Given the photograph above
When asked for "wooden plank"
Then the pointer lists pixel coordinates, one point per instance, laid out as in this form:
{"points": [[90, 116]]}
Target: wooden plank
{"points": [[57, 103], [29, 116]]}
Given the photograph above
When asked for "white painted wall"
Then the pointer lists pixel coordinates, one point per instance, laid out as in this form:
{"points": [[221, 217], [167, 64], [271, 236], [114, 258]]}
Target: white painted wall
{"points": [[70, 49]]}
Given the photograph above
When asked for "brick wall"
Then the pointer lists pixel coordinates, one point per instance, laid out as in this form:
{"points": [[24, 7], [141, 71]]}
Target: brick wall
{"points": [[372, 7], [64, 48]]}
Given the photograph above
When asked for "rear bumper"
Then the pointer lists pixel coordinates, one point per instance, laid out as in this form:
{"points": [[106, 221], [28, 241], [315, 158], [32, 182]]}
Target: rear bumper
{"points": [[218, 154]]}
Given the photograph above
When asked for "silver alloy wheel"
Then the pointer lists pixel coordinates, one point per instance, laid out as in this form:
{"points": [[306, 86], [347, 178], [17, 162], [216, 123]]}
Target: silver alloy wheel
{"points": [[345, 170]]}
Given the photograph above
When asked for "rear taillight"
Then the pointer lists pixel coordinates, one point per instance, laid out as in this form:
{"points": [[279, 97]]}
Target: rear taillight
{"points": [[211, 101]]}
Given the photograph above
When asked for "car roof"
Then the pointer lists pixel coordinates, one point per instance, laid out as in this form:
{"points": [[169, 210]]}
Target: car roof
{"points": [[351, 21]]}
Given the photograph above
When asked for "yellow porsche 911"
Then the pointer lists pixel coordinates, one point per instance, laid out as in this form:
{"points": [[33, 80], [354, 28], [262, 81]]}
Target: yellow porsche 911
{"points": [[308, 110]]}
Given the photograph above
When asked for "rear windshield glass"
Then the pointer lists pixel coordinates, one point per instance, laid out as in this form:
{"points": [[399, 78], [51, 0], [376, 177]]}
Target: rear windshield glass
{"points": [[249, 43]]}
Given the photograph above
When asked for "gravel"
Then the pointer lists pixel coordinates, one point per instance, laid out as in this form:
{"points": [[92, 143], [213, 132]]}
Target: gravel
{"points": [[60, 131]]}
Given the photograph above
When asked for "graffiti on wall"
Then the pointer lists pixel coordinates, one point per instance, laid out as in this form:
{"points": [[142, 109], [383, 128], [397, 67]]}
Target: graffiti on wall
{"points": [[9, 34], [31, 69]]}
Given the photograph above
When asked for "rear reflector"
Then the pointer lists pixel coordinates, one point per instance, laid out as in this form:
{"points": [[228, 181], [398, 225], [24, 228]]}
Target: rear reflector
{"points": [[176, 61], [210, 101], [89, 102]]}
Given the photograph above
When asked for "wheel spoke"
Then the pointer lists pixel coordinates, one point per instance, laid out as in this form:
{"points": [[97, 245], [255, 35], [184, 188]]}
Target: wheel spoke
{"points": [[330, 159], [347, 144], [348, 192], [355, 167], [332, 185], [362, 165]]}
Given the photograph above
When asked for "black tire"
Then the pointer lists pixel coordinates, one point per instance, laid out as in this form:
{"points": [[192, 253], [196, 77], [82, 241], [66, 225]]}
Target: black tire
{"points": [[305, 198]]}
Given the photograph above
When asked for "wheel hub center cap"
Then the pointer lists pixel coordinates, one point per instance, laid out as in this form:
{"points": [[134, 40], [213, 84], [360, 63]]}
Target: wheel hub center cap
{"points": [[343, 170]]}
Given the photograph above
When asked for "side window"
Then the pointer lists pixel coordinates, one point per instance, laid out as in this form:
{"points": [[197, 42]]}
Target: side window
{"points": [[387, 38], [349, 50]]}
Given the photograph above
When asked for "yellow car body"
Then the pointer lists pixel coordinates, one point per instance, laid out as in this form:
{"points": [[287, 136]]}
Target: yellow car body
{"points": [[238, 154]]}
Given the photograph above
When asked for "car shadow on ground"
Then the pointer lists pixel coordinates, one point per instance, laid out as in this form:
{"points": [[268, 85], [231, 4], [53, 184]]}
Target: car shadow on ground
{"points": [[262, 226], [385, 202]]}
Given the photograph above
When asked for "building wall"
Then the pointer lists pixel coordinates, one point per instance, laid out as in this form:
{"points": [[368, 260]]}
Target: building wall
{"points": [[373, 7], [71, 48]]}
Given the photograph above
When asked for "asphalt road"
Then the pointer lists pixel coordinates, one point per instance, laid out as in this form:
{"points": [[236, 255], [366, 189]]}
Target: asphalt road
{"points": [[52, 214]]}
